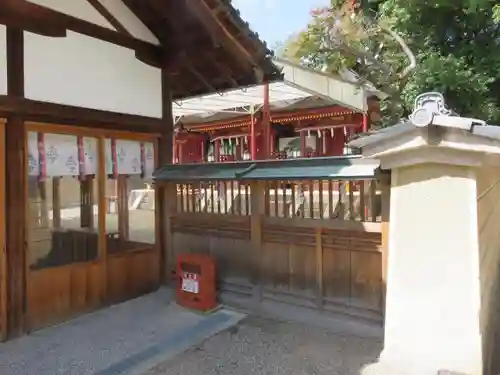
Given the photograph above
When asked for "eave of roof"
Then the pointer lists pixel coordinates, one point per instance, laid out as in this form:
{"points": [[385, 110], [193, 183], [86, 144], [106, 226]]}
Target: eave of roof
{"points": [[328, 168], [234, 56]]}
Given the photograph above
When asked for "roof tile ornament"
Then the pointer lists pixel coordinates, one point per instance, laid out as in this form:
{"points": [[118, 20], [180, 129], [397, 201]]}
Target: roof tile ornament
{"points": [[430, 109]]}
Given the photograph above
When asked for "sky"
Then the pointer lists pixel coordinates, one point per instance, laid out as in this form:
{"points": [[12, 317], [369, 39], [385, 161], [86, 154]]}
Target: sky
{"points": [[275, 20]]}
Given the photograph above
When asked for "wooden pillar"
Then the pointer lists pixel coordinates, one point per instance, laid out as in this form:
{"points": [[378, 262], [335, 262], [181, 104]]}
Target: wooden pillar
{"points": [[253, 138], [303, 144], [258, 207], [16, 188], [239, 148], [169, 210], [201, 158], [3, 259], [122, 203], [273, 150], [56, 203], [102, 179], [165, 150], [319, 143], [217, 150]]}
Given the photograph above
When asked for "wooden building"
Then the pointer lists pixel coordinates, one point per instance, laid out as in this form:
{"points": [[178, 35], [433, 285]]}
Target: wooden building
{"points": [[86, 90], [309, 114]]}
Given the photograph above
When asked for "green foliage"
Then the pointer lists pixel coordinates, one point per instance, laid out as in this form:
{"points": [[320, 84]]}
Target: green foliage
{"points": [[456, 43], [496, 13]]}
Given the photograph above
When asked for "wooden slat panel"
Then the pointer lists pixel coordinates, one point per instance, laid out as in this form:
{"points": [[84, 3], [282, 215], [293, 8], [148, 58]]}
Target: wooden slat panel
{"points": [[56, 294], [329, 264], [3, 253], [366, 276], [304, 276], [132, 274], [337, 275]]}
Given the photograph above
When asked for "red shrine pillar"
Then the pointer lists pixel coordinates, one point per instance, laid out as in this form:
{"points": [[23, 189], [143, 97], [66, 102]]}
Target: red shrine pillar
{"points": [[217, 150], [365, 123], [176, 151], [253, 138], [303, 144], [266, 124]]}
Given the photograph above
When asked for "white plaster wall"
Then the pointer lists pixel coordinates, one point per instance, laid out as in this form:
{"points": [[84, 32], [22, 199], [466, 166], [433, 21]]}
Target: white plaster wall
{"points": [[90, 73], [77, 8], [433, 294], [129, 20], [3, 60], [488, 203]]}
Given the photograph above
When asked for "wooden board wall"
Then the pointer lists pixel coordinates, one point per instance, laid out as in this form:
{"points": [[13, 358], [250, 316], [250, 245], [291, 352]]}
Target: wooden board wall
{"points": [[3, 253], [306, 262], [132, 274], [59, 293]]}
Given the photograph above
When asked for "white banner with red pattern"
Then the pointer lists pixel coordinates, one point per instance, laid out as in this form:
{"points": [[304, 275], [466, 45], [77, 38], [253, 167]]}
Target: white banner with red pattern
{"points": [[52, 155]]}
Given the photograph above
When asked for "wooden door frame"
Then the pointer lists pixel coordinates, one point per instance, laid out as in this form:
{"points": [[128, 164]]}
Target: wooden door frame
{"points": [[3, 252]]}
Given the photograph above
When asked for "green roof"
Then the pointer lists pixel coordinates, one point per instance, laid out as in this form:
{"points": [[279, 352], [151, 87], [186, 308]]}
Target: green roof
{"points": [[328, 168]]}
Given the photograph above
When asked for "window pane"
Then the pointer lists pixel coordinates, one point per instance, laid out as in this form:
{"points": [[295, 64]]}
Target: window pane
{"points": [[141, 206], [130, 218], [62, 203]]}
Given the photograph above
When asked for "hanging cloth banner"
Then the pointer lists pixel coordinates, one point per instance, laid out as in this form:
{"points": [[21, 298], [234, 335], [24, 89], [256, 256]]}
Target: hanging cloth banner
{"points": [[33, 155], [143, 162], [61, 155], [114, 158], [148, 160], [81, 158], [90, 156], [42, 157], [111, 158], [128, 157]]}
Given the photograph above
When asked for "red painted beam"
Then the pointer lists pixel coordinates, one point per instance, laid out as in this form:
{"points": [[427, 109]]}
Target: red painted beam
{"points": [[274, 116], [335, 110]]}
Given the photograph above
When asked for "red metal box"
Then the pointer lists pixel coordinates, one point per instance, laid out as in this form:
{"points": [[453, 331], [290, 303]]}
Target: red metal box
{"points": [[196, 287]]}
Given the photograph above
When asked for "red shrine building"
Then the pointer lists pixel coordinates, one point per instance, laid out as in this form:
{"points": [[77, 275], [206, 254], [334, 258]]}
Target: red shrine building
{"points": [[309, 114]]}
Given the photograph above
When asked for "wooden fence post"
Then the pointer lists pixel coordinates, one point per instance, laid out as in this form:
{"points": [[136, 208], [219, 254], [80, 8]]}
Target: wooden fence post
{"points": [[257, 204], [169, 197], [319, 267]]}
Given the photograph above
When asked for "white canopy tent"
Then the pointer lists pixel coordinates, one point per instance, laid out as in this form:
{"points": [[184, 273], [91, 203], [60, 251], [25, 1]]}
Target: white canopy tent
{"points": [[299, 83]]}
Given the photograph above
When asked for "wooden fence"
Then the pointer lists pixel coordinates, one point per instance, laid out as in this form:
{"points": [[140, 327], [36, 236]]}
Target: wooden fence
{"points": [[315, 244]]}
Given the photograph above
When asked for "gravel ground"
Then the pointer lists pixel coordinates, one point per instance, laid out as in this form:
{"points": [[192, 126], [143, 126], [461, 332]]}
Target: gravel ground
{"points": [[268, 347], [110, 340]]}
